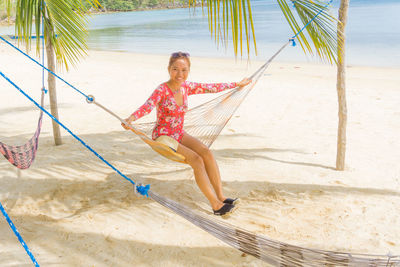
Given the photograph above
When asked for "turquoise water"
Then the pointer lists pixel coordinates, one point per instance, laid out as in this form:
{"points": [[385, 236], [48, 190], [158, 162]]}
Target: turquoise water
{"points": [[373, 33]]}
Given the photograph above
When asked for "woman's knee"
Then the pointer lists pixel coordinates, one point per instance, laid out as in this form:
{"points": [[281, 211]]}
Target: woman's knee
{"points": [[195, 160], [205, 152]]}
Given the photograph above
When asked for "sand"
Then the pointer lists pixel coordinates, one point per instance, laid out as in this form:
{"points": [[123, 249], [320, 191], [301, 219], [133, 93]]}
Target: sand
{"points": [[277, 154]]}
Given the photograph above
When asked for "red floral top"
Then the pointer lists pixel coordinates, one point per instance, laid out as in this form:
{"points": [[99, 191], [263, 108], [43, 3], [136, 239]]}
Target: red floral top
{"points": [[170, 115]]}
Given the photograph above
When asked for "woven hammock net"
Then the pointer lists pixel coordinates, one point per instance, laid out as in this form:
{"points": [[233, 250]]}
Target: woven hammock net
{"points": [[22, 156], [206, 121]]}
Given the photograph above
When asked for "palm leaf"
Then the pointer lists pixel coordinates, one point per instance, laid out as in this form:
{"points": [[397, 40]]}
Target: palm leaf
{"points": [[321, 27], [62, 18], [8, 5], [321, 38], [230, 15]]}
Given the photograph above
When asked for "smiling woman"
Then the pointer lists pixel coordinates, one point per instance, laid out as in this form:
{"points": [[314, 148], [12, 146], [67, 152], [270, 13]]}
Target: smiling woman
{"points": [[170, 98]]}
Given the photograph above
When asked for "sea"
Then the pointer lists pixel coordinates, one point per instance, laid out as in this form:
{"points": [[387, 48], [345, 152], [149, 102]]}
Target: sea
{"points": [[372, 33]]}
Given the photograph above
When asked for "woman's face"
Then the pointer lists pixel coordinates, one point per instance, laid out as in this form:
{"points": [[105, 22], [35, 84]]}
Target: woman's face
{"points": [[179, 71]]}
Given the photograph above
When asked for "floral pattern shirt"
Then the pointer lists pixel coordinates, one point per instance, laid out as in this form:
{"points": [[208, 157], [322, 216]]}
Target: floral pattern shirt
{"points": [[170, 115]]}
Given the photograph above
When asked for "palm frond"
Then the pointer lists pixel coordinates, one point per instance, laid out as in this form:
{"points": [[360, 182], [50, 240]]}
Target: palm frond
{"points": [[236, 16], [8, 5], [230, 15], [321, 27], [64, 26]]}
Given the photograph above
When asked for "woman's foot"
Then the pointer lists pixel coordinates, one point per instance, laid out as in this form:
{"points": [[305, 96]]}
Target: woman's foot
{"points": [[226, 210], [232, 201]]}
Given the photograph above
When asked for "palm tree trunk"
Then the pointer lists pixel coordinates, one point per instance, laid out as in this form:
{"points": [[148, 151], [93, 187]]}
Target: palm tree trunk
{"points": [[341, 86], [52, 89]]}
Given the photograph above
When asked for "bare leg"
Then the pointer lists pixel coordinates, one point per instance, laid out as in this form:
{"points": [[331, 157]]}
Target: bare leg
{"points": [[209, 162], [200, 174]]}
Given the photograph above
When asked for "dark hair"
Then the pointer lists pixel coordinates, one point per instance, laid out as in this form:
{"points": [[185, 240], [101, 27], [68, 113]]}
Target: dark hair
{"points": [[178, 55]]}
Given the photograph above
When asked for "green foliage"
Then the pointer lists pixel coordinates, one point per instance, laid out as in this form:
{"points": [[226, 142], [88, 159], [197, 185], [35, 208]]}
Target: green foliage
{"points": [[6, 9], [129, 5], [66, 18], [153, 3], [321, 31], [234, 17]]}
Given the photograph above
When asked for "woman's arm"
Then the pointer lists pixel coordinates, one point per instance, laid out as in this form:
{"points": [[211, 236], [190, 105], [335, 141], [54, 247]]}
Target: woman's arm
{"points": [[204, 88], [147, 107]]}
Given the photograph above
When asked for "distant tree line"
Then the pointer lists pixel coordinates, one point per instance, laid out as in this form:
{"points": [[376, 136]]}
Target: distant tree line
{"points": [[112, 6], [129, 5]]}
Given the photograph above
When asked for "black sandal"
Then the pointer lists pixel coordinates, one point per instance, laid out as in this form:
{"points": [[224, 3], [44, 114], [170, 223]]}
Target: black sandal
{"points": [[225, 210], [232, 201]]}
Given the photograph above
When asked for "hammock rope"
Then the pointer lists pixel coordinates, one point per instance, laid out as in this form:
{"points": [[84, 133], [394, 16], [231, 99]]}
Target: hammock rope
{"points": [[18, 235]]}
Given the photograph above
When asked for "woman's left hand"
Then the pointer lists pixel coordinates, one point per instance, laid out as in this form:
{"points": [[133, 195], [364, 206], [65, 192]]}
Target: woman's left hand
{"points": [[243, 82]]}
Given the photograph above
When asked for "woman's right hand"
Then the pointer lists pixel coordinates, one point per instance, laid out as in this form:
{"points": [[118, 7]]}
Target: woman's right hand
{"points": [[127, 122], [244, 82]]}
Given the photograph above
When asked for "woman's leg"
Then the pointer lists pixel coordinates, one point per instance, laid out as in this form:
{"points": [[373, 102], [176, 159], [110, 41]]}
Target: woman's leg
{"points": [[209, 162], [200, 174]]}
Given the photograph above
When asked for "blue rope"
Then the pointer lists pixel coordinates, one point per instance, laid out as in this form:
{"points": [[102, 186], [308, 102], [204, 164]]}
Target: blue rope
{"points": [[19, 50], [143, 190], [139, 188], [19, 236], [305, 26]]}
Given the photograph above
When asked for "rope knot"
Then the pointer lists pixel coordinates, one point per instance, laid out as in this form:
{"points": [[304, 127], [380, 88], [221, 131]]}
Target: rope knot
{"points": [[45, 90], [90, 99], [293, 41], [143, 190]]}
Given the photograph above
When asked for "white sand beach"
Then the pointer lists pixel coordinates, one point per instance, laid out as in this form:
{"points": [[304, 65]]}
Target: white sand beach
{"points": [[277, 154]]}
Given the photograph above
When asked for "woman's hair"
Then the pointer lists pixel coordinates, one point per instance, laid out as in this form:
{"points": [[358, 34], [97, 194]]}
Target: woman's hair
{"points": [[178, 55]]}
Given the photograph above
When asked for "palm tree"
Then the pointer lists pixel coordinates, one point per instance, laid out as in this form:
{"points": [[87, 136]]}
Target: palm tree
{"points": [[64, 17], [341, 86]]}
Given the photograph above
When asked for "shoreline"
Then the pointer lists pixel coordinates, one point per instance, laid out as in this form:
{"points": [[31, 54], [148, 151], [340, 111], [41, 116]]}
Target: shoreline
{"points": [[244, 60]]}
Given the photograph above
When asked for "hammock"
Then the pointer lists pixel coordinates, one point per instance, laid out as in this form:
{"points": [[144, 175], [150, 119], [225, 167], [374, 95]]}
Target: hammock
{"points": [[22, 156], [205, 122], [271, 251]]}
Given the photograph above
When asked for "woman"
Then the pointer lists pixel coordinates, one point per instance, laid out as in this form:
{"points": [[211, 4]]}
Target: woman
{"points": [[170, 98]]}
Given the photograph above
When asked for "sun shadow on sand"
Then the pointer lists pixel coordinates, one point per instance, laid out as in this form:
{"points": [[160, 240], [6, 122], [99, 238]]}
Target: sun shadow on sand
{"points": [[67, 182], [61, 167], [255, 154], [75, 197], [4, 111], [62, 247]]}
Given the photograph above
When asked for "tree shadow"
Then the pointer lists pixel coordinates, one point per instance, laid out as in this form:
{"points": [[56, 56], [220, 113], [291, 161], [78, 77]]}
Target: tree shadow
{"points": [[62, 185], [63, 168], [249, 154], [64, 247], [5, 111]]}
